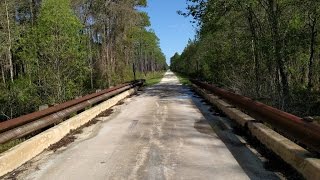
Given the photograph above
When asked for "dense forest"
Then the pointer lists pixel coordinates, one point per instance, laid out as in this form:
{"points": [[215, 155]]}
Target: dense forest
{"points": [[265, 49], [55, 50]]}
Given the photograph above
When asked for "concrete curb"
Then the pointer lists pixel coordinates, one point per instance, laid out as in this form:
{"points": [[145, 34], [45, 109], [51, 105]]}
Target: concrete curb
{"points": [[298, 157], [30, 148]]}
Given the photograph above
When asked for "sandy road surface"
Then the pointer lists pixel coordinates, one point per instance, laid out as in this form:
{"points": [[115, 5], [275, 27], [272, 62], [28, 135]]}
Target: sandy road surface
{"points": [[159, 134]]}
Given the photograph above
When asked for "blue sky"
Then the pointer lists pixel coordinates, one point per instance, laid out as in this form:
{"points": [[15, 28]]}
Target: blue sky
{"points": [[173, 30]]}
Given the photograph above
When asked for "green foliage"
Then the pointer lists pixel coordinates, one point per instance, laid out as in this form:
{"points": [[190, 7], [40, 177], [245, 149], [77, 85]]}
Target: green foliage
{"points": [[144, 20], [61, 49], [184, 80], [152, 78], [258, 48], [10, 144], [20, 97], [55, 53]]}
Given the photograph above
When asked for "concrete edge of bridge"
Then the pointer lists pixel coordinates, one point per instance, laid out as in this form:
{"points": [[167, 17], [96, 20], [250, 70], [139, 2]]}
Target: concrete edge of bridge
{"points": [[293, 154], [22, 153]]}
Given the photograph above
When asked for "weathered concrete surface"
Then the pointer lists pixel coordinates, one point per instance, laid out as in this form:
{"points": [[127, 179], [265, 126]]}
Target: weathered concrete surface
{"points": [[293, 154], [159, 134], [25, 151], [298, 157]]}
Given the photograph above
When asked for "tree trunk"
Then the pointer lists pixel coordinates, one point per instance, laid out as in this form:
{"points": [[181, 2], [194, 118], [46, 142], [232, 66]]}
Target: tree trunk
{"points": [[313, 33], [31, 12], [90, 58], [9, 42], [255, 56], [3, 75], [277, 45]]}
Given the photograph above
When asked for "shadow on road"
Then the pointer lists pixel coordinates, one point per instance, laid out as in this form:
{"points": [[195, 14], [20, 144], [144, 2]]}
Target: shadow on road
{"points": [[211, 124]]}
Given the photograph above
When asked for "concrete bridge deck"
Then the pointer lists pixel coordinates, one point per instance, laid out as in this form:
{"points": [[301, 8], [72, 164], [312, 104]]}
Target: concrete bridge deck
{"points": [[158, 134]]}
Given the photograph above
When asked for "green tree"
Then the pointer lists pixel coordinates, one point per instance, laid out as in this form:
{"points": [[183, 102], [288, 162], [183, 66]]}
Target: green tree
{"points": [[55, 53], [266, 49], [52, 51]]}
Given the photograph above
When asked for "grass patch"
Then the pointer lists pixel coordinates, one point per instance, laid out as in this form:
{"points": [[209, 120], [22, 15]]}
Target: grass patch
{"points": [[152, 78], [316, 119], [184, 80], [6, 146]]}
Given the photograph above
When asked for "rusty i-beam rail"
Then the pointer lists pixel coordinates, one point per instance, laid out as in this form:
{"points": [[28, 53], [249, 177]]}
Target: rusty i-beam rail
{"points": [[12, 123], [20, 127], [304, 132]]}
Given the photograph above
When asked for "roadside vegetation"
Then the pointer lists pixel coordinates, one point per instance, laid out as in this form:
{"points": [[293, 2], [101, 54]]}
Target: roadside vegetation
{"points": [[153, 78], [183, 79], [265, 49], [52, 51], [10, 144]]}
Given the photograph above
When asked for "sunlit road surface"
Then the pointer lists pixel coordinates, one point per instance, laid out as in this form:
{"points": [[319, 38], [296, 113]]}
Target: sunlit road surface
{"points": [[158, 134]]}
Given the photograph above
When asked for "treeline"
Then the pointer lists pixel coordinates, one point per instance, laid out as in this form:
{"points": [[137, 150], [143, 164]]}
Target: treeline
{"points": [[55, 50], [266, 49]]}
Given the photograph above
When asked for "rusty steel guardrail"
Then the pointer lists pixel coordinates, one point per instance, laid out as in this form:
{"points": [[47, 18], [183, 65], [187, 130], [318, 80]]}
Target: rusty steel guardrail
{"points": [[12, 123], [306, 133], [27, 124]]}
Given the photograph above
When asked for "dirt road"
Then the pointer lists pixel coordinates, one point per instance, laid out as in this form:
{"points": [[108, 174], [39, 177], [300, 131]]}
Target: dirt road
{"points": [[158, 134]]}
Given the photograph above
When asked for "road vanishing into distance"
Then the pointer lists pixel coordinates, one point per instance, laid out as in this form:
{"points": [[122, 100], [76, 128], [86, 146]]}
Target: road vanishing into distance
{"points": [[163, 132]]}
